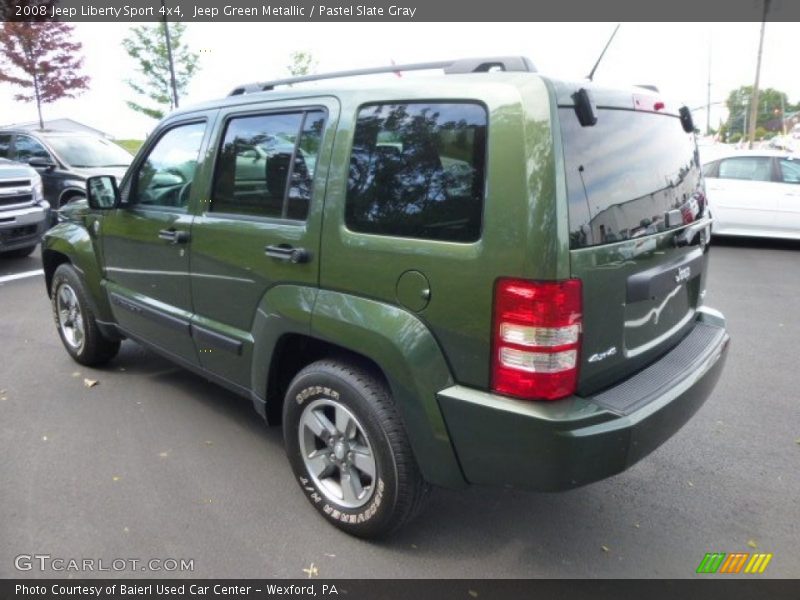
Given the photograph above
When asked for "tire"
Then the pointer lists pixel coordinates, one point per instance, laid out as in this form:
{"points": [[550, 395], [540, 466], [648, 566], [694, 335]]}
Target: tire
{"points": [[75, 320], [374, 450], [19, 252]]}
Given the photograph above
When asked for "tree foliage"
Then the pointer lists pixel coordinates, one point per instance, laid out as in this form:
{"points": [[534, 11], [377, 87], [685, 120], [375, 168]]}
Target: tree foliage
{"points": [[769, 107], [302, 63], [43, 59], [147, 45]]}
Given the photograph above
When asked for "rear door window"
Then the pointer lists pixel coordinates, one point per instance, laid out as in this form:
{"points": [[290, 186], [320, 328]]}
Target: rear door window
{"points": [[625, 174], [266, 165], [418, 170], [749, 168]]}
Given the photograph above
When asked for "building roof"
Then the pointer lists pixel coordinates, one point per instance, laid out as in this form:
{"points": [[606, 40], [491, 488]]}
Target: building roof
{"points": [[59, 125]]}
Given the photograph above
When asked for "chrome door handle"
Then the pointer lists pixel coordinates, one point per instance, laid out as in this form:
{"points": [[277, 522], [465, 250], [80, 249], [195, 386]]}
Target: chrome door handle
{"points": [[288, 253]]}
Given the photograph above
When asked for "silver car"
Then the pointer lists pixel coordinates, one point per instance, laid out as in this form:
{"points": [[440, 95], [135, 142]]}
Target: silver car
{"points": [[24, 213]]}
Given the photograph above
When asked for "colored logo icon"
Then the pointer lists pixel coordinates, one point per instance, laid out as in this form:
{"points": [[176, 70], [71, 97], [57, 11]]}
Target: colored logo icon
{"points": [[736, 562]]}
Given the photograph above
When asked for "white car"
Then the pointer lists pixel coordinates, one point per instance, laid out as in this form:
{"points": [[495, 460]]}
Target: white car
{"points": [[754, 193]]}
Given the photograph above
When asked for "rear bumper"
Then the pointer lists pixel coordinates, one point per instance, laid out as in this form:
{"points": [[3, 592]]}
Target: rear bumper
{"points": [[550, 446]]}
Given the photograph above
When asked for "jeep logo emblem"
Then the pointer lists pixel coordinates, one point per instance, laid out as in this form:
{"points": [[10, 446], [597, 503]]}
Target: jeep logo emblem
{"points": [[683, 274]]}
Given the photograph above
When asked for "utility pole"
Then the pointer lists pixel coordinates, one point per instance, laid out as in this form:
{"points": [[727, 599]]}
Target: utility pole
{"points": [[708, 97], [744, 125], [169, 58], [754, 99], [783, 115]]}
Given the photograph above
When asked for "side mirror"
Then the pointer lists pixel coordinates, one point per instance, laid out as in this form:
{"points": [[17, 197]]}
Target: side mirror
{"points": [[102, 192], [40, 162], [686, 119]]}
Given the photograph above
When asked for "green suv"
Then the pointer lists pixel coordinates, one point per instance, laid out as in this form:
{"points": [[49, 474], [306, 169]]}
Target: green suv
{"points": [[483, 277]]}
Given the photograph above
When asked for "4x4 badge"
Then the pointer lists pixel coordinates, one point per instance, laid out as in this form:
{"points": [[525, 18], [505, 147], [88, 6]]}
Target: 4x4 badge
{"points": [[603, 355]]}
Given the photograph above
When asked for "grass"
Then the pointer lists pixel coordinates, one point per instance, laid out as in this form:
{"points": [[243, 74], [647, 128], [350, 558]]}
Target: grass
{"points": [[130, 145]]}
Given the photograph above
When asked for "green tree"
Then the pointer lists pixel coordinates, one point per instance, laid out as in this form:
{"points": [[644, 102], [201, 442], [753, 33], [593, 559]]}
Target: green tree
{"points": [[147, 45], [301, 63], [769, 107], [43, 60]]}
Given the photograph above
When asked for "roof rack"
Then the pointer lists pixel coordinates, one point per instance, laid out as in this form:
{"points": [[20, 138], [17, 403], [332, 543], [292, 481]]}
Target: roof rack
{"points": [[464, 65]]}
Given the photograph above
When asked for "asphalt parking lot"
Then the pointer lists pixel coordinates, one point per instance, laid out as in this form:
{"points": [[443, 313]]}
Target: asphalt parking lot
{"points": [[154, 462]]}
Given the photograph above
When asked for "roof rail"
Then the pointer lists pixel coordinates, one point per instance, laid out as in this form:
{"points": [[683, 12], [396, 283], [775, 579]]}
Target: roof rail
{"points": [[464, 65]]}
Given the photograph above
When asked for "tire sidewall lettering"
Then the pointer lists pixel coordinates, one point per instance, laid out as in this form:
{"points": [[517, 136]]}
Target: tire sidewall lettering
{"points": [[343, 515], [315, 391]]}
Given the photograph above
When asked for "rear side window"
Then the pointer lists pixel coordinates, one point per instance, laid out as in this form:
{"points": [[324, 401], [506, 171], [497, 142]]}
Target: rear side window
{"points": [[790, 170], [266, 165], [750, 168], [418, 170], [625, 174]]}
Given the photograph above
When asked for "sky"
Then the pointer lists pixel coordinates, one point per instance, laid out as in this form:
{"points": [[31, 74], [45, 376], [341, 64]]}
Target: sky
{"points": [[672, 56]]}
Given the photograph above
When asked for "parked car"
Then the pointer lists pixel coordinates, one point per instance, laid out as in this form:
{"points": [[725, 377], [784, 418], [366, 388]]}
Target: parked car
{"points": [[480, 278], [64, 159], [755, 193], [24, 213]]}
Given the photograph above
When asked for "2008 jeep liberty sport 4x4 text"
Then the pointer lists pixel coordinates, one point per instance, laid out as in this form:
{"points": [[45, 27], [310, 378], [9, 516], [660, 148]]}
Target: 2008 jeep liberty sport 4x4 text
{"points": [[483, 277]]}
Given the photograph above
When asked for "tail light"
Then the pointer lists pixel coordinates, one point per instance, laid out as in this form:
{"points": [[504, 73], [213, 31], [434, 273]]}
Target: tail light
{"points": [[536, 338]]}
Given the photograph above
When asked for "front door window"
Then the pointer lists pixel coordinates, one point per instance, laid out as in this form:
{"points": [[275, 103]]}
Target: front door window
{"points": [[165, 178]]}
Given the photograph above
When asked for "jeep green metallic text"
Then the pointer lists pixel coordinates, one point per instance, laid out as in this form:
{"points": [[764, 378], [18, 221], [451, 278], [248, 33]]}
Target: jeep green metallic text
{"points": [[482, 277]]}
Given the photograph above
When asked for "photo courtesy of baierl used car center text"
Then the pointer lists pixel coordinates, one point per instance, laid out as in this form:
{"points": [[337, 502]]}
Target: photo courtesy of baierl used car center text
{"points": [[442, 300]]}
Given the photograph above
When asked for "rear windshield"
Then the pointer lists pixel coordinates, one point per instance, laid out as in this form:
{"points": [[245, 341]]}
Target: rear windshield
{"points": [[625, 173]]}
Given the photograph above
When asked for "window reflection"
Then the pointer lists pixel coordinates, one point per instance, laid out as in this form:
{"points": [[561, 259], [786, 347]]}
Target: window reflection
{"points": [[259, 156], [165, 178], [625, 173], [417, 170]]}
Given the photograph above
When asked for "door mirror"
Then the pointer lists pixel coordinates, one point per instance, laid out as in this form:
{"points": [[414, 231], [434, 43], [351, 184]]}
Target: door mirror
{"points": [[40, 162], [686, 119], [102, 192]]}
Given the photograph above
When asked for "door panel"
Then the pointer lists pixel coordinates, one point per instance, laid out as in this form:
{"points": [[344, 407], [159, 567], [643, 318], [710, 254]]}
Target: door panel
{"points": [[743, 199], [146, 241], [265, 204], [789, 199]]}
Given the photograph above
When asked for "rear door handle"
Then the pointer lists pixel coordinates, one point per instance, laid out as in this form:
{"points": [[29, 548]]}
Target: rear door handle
{"points": [[174, 236], [288, 253]]}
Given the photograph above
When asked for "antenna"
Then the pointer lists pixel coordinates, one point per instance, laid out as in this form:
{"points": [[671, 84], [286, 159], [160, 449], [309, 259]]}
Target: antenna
{"points": [[602, 54]]}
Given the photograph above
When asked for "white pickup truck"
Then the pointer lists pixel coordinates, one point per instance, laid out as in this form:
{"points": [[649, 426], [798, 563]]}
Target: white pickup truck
{"points": [[24, 213]]}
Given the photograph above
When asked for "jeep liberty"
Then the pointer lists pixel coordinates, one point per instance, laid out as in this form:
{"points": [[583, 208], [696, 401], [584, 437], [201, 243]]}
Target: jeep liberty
{"points": [[488, 276]]}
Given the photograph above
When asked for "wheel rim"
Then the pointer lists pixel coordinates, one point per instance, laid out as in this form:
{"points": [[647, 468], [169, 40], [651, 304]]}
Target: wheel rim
{"points": [[337, 453], [70, 317]]}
